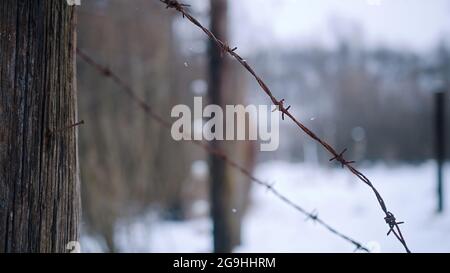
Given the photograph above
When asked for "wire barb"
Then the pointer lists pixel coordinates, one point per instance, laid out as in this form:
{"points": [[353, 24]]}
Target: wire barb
{"points": [[225, 48], [51, 133], [279, 106], [314, 216], [392, 222], [174, 4], [358, 247], [340, 158], [270, 186]]}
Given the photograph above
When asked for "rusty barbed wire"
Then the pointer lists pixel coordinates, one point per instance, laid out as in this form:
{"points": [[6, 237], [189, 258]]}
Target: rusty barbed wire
{"points": [[106, 72], [339, 157], [60, 130]]}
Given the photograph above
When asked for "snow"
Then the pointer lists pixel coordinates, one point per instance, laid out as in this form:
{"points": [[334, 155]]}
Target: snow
{"points": [[333, 193], [348, 205]]}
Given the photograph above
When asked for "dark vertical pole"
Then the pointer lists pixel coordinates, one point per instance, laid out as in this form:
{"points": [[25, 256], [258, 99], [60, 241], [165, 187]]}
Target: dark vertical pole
{"points": [[39, 182], [220, 189], [440, 145]]}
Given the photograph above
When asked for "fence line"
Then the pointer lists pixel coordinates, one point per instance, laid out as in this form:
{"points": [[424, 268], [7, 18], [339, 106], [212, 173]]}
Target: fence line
{"points": [[106, 72], [280, 104]]}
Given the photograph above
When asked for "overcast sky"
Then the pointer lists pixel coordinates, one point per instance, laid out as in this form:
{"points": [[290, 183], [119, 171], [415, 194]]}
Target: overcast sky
{"points": [[412, 24]]}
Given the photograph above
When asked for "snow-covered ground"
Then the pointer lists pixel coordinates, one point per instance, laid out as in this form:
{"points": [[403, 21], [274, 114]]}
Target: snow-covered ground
{"points": [[341, 200]]}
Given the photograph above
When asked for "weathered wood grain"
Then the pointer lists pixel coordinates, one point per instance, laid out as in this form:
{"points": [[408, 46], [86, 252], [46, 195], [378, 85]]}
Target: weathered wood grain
{"points": [[39, 185]]}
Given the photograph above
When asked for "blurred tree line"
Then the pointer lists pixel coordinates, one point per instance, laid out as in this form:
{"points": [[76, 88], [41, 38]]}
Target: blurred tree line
{"points": [[371, 101], [377, 102], [129, 164]]}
